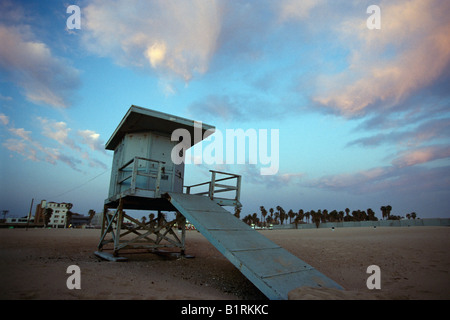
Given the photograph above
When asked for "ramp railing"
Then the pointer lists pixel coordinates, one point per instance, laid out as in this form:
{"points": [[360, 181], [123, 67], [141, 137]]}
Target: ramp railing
{"points": [[216, 185]]}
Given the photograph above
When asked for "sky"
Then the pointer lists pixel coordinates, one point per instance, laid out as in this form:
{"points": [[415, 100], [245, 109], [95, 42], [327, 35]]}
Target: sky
{"points": [[362, 113]]}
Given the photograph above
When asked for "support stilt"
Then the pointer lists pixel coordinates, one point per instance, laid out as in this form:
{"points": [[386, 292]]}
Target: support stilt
{"points": [[134, 234]]}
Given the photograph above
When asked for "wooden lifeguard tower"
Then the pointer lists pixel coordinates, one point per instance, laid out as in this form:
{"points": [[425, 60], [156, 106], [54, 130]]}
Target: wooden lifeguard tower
{"points": [[143, 172], [144, 177]]}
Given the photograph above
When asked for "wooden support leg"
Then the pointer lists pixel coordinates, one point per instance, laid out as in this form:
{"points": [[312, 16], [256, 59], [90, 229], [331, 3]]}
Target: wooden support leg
{"points": [[182, 223], [118, 227], [103, 230]]}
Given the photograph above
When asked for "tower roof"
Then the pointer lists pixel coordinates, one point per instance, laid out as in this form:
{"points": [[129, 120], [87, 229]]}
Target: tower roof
{"points": [[138, 119]]}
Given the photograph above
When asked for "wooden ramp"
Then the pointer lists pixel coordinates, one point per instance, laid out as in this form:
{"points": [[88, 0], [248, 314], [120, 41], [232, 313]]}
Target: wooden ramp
{"points": [[272, 269]]}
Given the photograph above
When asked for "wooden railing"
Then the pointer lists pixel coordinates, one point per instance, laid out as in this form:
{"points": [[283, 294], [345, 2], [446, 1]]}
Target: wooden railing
{"points": [[215, 187], [134, 173]]}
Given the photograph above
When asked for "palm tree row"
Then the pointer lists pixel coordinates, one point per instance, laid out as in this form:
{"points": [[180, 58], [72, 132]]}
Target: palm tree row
{"points": [[279, 216]]}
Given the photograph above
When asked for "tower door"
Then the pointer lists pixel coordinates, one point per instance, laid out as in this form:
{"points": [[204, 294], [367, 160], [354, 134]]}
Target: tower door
{"points": [[161, 149]]}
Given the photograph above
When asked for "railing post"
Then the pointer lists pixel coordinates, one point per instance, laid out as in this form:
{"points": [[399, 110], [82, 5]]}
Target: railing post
{"points": [[212, 184], [238, 190], [158, 180], [134, 175]]}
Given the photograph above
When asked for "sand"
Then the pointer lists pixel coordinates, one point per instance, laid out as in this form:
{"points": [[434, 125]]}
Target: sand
{"points": [[414, 264]]}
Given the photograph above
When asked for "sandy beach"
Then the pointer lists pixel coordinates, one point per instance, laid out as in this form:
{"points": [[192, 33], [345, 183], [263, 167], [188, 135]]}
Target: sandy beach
{"points": [[414, 264]]}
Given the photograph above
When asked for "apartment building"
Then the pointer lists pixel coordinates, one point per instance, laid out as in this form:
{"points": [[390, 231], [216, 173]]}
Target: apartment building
{"points": [[58, 217]]}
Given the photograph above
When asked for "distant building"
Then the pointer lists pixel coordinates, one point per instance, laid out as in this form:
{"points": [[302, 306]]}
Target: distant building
{"points": [[97, 220], [59, 216], [22, 220], [78, 220]]}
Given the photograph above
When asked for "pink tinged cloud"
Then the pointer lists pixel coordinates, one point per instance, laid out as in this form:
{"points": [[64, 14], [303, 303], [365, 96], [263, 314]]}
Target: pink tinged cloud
{"points": [[421, 155], [44, 78], [92, 139], [169, 37], [34, 150], [4, 119], [58, 131], [296, 10], [417, 31]]}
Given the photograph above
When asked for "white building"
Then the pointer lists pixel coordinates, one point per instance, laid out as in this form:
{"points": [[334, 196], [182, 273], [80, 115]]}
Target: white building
{"points": [[22, 220], [59, 215]]}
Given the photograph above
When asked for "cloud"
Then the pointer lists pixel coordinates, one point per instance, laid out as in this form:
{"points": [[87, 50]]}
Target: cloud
{"points": [[58, 131], [295, 9], [421, 155], [5, 98], [27, 145], [166, 36], [92, 139], [428, 131], [33, 150], [387, 66], [4, 119], [92, 162], [217, 107], [251, 174], [411, 180], [238, 108], [410, 170], [21, 147], [21, 132], [30, 64]]}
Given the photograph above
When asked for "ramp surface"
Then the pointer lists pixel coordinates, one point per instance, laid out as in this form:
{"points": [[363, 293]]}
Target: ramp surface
{"points": [[272, 269]]}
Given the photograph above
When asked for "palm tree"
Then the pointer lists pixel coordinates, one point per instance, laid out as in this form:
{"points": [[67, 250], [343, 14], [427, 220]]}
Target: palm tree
{"points": [[388, 211], [91, 214], [248, 219], [316, 217], [301, 215], [363, 216], [324, 217], [263, 213], [69, 215], [371, 215], [347, 215], [341, 216], [296, 221], [237, 211], [308, 216], [291, 215], [281, 213], [47, 215], [255, 218], [413, 215], [277, 216], [383, 211]]}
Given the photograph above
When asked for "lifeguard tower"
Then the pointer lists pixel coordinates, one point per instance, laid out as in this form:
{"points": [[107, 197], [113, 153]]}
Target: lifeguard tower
{"points": [[144, 177]]}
